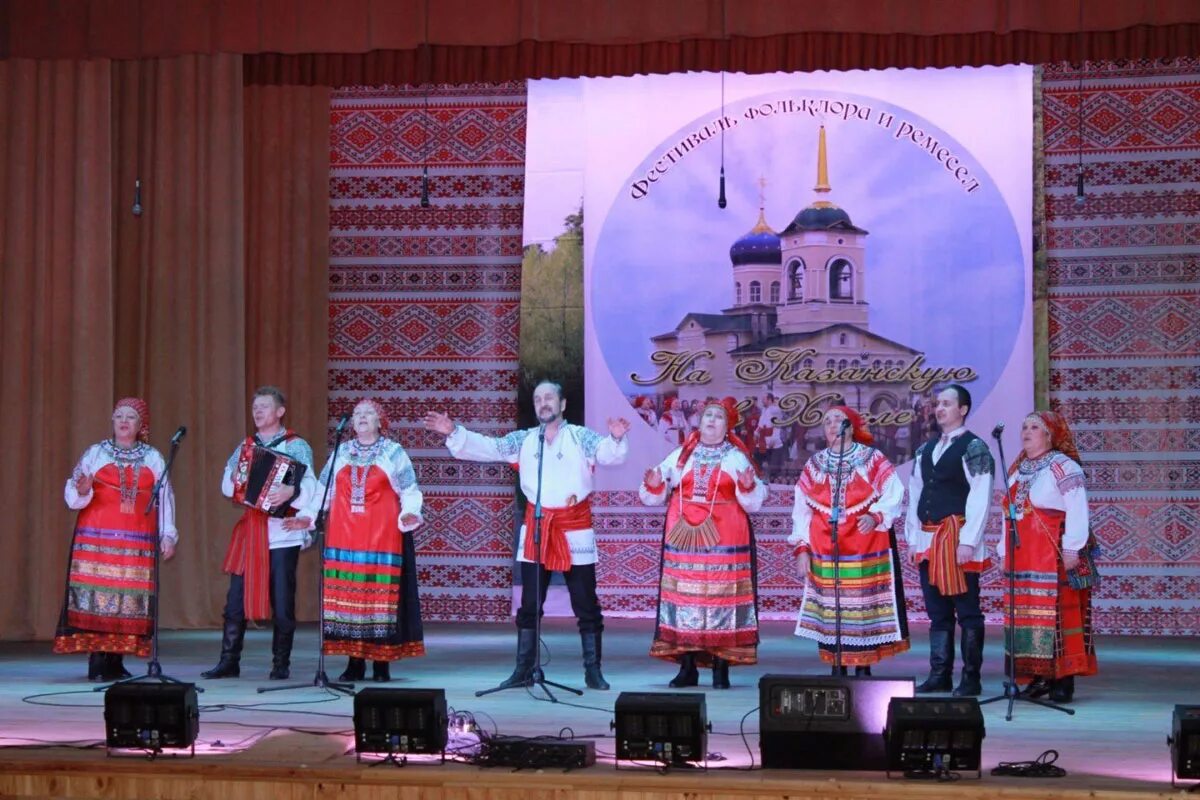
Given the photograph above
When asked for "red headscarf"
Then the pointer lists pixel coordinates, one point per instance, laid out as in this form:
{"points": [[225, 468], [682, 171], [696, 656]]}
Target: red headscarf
{"points": [[858, 427], [142, 410], [384, 422], [732, 419], [1061, 438]]}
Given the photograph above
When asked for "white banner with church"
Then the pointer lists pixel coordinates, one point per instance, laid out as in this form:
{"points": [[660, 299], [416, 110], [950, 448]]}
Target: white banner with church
{"points": [[870, 241]]}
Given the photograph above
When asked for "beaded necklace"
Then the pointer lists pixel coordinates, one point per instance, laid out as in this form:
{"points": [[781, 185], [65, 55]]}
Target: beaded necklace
{"points": [[1027, 472], [129, 465], [362, 456]]}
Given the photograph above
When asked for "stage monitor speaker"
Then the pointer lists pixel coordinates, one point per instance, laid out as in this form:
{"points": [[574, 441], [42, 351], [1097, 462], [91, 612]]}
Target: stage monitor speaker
{"points": [[151, 716], [664, 727], [934, 734], [1184, 742], [406, 721], [825, 722]]}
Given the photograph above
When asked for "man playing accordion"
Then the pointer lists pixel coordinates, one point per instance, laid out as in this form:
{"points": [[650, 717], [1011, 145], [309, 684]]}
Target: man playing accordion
{"points": [[270, 474]]}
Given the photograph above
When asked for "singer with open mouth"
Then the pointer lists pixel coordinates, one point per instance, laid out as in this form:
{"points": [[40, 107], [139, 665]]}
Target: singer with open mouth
{"points": [[1053, 620], [568, 543], [948, 500], [110, 579], [708, 580], [861, 484], [371, 608], [264, 549]]}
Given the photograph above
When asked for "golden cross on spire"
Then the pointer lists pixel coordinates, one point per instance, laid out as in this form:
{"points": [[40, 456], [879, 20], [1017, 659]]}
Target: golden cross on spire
{"points": [[762, 191]]}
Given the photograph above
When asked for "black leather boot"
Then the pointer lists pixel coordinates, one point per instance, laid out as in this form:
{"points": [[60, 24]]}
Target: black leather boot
{"points": [[720, 669], [1062, 690], [96, 664], [688, 674], [972, 656], [527, 645], [837, 671], [592, 643], [114, 667], [941, 663], [863, 671], [356, 670], [233, 634], [381, 671], [281, 655]]}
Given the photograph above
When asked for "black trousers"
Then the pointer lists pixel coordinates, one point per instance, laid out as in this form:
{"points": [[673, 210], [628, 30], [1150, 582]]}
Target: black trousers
{"points": [[283, 591], [581, 584], [943, 610]]}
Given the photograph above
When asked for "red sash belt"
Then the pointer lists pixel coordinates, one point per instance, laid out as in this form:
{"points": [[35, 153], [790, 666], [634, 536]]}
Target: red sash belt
{"points": [[944, 570], [249, 555], [556, 552]]}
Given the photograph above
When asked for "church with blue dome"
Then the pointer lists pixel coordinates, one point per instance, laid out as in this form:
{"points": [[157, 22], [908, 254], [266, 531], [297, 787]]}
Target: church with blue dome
{"points": [[801, 288]]}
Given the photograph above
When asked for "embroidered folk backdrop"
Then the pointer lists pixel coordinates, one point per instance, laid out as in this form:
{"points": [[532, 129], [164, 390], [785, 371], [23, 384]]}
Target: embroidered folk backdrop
{"points": [[424, 307]]}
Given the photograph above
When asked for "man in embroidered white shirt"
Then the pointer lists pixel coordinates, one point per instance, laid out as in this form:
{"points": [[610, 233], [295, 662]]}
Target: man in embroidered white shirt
{"points": [[948, 500], [568, 543]]}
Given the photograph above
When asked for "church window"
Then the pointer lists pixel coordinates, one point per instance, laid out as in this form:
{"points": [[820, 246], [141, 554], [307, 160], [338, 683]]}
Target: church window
{"points": [[830, 364], [808, 363], [842, 339], [841, 284], [737, 294], [795, 275], [877, 363], [855, 363], [774, 291], [842, 364], [755, 292]]}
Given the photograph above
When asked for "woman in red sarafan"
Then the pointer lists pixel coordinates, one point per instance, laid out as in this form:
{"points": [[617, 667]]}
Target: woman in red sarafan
{"points": [[874, 625], [708, 596], [372, 609], [107, 609], [1053, 621]]}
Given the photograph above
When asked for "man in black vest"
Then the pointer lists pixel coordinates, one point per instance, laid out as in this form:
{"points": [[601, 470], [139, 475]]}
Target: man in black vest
{"points": [[948, 501]]}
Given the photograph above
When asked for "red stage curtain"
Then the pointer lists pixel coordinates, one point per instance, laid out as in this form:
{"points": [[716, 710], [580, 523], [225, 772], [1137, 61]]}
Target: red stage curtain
{"points": [[513, 39], [287, 265], [56, 332], [98, 303]]}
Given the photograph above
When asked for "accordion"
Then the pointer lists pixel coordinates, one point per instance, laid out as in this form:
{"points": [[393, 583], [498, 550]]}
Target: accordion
{"points": [[261, 469]]}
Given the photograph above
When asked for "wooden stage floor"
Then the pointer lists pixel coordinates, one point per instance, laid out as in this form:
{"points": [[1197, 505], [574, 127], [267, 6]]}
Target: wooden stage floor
{"points": [[298, 744]]}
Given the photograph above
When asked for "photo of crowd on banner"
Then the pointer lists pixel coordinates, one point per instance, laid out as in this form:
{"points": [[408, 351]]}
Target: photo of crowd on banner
{"points": [[781, 450]]}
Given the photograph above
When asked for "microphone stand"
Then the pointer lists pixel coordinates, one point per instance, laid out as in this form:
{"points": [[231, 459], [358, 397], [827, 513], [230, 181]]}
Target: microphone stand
{"points": [[321, 679], [1012, 692], [834, 515], [537, 676], [153, 668]]}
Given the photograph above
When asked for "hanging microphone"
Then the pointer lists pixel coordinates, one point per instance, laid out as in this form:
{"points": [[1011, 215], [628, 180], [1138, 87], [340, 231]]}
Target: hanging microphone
{"points": [[179, 434], [721, 190], [342, 423], [425, 187], [137, 197], [999, 429]]}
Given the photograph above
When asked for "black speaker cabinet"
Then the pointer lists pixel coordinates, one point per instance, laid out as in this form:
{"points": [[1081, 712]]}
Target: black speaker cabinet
{"points": [[400, 720], [663, 727], [151, 716], [825, 722]]}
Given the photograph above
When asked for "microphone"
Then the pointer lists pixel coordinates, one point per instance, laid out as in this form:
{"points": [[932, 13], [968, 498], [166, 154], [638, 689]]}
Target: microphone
{"points": [[999, 429], [845, 426], [179, 434], [721, 189], [542, 430], [342, 423]]}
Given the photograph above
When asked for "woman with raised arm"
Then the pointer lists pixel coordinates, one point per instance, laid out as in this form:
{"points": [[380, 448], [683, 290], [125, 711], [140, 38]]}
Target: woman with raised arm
{"points": [[372, 610], [707, 594], [107, 611]]}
